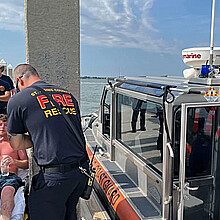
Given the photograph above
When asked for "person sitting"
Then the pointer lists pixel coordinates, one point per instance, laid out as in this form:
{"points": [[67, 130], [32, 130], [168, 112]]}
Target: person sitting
{"points": [[15, 159]]}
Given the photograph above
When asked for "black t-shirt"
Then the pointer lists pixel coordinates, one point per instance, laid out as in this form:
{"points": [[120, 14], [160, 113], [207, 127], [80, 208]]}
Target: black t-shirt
{"points": [[6, 84], [54, 141]]}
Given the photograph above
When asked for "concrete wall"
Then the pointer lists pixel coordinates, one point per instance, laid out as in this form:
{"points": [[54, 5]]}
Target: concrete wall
{"points": [[53, 45], [53, 41]]}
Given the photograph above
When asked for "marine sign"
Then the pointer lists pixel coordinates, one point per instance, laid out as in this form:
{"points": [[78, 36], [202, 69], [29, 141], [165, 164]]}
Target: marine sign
{"points": [[211, 95]]}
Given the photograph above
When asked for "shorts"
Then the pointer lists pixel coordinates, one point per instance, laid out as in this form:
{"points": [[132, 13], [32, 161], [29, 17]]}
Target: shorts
{"points": [[10, 180], [3, 110]]}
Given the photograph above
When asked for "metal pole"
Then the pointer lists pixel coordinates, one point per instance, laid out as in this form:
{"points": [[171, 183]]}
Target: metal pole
{"points": [[212, 37], [180, 210]]}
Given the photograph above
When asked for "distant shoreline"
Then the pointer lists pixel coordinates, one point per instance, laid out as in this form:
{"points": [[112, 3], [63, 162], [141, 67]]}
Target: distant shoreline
{"points": [[92, 77]]}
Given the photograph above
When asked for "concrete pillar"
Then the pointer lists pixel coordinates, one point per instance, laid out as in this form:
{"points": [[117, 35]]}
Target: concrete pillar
{"points": [[53, 44], [53, 41]]}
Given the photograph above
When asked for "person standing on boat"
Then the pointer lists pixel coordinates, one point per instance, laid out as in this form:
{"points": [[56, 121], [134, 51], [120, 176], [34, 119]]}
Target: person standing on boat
{"points": [[138, 106], [55, 191], [6, 90]]}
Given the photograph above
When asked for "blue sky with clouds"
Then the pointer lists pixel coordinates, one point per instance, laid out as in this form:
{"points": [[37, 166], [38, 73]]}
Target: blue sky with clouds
{"points": [[124, 37]]}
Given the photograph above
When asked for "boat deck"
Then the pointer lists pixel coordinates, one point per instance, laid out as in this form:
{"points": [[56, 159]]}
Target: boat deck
{"points": [[135, 197]]}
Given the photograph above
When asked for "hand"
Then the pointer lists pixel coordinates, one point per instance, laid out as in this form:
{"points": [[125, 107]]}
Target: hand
{"points": [[8, 159]]}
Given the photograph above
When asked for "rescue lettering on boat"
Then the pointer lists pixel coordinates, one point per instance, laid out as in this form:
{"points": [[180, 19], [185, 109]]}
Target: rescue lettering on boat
{"points": [[112, 192], [107, 185]]}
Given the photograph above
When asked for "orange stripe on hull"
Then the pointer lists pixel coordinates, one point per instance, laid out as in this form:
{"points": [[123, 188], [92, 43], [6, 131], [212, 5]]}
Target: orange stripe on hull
{"points": [[113, 194]]}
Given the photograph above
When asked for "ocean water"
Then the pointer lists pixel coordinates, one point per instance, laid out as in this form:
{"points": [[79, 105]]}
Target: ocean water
{"points": [[90, 94]]}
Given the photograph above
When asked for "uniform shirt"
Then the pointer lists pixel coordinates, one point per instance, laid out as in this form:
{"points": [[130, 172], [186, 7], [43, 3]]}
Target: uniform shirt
{"points": [[54, 141], [6, 84]]}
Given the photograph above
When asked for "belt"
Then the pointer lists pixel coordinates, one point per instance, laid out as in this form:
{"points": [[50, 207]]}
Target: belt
{"points": [[63, 168]]}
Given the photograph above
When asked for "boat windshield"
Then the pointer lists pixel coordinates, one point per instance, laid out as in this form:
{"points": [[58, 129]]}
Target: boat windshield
{"points": [[140, 128], [144, 89]]}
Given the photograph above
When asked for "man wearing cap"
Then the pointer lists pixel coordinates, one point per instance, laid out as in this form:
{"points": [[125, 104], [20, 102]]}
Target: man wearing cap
{"points": [[6, 88]]}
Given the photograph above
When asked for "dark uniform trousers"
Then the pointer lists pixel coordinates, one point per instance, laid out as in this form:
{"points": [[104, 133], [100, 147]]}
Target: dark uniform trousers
{"points": [[54, 196], [135, 117], [135, 114]]}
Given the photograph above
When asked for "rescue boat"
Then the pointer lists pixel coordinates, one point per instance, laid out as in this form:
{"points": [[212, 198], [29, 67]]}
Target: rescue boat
{"points": [[169, 170], [158, 141]]}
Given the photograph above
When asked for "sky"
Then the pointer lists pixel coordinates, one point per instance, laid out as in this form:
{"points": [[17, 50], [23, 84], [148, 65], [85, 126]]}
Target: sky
{"points": [[124, 37]]}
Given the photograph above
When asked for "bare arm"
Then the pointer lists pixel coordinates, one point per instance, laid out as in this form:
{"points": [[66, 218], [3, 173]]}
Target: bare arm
{"points": [[6, 96], [20, 141], [21, 162]]}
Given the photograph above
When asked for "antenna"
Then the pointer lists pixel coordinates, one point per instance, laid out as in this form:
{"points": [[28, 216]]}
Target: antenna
{"points": [[212, 39]]}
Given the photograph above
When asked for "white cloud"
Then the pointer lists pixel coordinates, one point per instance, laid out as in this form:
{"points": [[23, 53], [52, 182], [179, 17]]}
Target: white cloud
{"points": [[124, 23], [12, 15], [113, 23]]}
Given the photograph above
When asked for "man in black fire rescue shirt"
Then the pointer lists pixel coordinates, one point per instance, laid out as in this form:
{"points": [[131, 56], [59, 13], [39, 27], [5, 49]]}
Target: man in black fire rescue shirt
{"points": [[56, 189]]}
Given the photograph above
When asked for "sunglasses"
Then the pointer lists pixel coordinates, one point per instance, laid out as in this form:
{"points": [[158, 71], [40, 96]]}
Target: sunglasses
{"points": [[16, 86]]}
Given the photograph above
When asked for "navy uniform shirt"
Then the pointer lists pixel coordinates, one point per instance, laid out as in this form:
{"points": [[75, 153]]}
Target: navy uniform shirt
{"points": [[6, 84], [54, 141]]}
